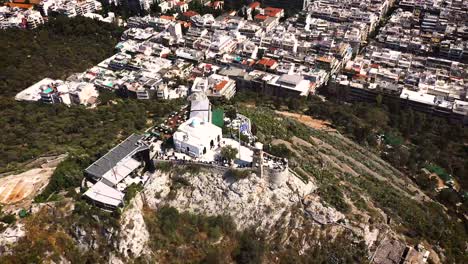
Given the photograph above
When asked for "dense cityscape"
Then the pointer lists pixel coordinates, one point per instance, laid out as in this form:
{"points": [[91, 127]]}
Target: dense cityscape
{"points": [[246, 107]]}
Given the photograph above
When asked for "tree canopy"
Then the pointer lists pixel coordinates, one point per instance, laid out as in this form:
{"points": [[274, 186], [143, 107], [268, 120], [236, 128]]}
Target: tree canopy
{"points": [[229, 153]]}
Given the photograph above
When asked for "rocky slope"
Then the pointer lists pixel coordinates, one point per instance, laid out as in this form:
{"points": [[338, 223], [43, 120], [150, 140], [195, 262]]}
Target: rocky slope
{"points": [[334, 190], [286, 213], [295, 212]]}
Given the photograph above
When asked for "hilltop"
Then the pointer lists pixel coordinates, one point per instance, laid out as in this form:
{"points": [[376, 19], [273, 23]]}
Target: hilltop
{"points": [[339, 197]]}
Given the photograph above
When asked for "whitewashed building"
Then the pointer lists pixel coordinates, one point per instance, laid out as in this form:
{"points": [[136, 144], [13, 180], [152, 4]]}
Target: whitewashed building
{"points": [[195, 137], [200, 106]]}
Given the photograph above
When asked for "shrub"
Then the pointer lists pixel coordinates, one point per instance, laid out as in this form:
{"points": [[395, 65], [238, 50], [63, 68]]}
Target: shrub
{"points": [[214, 256], [251, 248], [164, 166], [238, 174], [68, 174], [181, 182], [332, 195], [280, 150], [8, 219], [193, 169], [168, 218], [131, 192], [229, 153]]}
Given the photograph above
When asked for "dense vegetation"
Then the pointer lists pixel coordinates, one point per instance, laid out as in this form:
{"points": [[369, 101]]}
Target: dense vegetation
{"points": [[51, 233], [61, 47], [181, 236], [416, 139], [418, 220], [409, 140], [58, 49]]}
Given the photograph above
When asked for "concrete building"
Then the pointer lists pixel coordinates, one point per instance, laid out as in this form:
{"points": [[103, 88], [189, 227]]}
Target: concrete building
{"points": [[34, 20], [290, 85], [221, 86], [113, 168], [215, 86], [83, 94], [44, 88], [195, 137], [286, 4]]}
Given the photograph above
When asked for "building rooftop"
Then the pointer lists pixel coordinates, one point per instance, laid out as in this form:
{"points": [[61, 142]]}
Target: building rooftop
{"points": [[272, 11], [105, 194], [291, 79], [111, 159]]}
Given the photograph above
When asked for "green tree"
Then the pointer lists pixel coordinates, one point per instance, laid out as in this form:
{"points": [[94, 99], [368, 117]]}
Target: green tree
{"points": [[229, 153], [251, 248], [231, 113], [449, 196]]}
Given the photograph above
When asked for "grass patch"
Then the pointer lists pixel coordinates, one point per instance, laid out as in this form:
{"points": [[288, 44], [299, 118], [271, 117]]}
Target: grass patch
{"points": [[164, 166], [182, 236], [238, 174], [131, 192], [333, 196]]}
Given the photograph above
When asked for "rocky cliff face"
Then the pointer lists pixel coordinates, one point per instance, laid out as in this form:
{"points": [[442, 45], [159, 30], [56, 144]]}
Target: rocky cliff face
{"points": [[133, 236], [285, 212], [10, 236], [250, 201]]}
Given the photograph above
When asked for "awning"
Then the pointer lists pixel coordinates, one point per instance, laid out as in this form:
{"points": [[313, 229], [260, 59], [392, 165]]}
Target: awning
{"points": [[102, 193], [121, 170]]}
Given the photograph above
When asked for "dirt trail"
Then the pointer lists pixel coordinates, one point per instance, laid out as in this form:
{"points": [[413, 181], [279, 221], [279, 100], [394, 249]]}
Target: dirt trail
{"points": [[309, 121]]}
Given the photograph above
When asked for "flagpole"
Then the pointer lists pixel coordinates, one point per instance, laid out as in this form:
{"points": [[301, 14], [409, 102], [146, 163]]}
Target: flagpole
{"points": [[240, 125]]}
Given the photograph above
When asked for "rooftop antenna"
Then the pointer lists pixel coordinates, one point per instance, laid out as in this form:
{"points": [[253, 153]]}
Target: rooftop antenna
{"points": [[112, 170]]}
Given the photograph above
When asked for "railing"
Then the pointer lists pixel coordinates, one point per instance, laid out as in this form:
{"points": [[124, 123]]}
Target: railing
{"points": [[191, 162]]}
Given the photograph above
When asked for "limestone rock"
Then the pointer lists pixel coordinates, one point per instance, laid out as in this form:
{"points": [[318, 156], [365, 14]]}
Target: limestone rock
{"points": [[133, 237], [320, 213]]}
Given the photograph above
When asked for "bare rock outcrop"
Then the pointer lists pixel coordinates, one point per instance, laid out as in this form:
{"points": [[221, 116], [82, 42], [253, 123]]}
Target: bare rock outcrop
{"points": [[249, 201], [318, 212], [133, 235], [10, 236]]}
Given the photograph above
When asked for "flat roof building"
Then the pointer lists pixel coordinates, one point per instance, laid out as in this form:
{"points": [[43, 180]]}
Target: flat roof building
{"points": [[113, 168], [195, 137], [104, 196], [292, 84], [119, 162]]}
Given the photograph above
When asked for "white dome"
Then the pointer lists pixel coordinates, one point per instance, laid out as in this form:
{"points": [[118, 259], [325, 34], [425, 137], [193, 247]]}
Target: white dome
{"points": [[195, 122]]}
